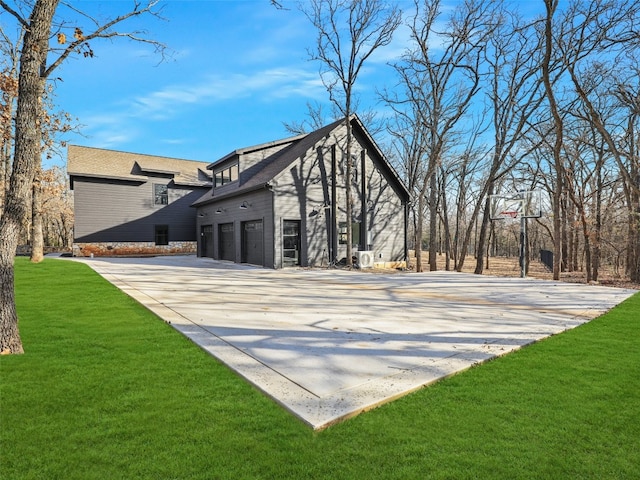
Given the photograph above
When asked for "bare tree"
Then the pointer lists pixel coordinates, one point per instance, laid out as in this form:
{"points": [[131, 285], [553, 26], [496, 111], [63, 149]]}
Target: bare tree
{"points": [[34, 70], [609, 28], [587, 41], [348, 32], [9, 91], [551, 6], [52, 126], [629, 97], [440, 75], [468, 201], [57, 206], [409, 145], [514, 94], [316, 120]]}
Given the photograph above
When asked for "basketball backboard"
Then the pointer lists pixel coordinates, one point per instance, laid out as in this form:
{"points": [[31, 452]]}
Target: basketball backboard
{"points": [[522, 204]]}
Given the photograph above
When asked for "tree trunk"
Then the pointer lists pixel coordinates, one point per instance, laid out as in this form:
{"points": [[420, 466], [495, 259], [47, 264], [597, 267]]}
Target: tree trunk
{"points": [[28, 138], [567, 237], [634, 221], [349, 200], [557, 146], [37, 234], [482, 239], [446, 227], [472, 227], [433, 222], [587, 244], [419, 233], [598, 223], [492, 233]]}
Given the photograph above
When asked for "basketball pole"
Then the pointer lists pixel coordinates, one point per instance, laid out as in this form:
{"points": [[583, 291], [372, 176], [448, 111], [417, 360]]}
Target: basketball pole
{"points": [[514, 206], [523, 244], [523, 234]]}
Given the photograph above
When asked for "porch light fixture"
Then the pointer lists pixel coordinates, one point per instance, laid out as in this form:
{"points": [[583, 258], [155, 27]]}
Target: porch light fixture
{"points": [[219, 211], [244, 205], [202, 215]]}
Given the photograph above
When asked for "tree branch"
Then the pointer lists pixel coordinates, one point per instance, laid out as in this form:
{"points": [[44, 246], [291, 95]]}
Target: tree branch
{"points": [[103, 32], [22, 21]]}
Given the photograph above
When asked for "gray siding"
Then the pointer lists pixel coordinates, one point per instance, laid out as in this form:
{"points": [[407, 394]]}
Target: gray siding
{"points": [[302, 191], [248, 163], [259, 207], [119, 211], [311, 191]]}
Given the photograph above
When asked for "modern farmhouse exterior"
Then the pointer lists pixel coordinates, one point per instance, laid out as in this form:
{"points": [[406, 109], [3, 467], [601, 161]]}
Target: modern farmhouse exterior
{"points": [[133, 204], [283, 203]]}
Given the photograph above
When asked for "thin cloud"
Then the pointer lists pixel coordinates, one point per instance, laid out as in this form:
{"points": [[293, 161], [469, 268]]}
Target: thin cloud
{"points": [[265, 85], [120, 125]]}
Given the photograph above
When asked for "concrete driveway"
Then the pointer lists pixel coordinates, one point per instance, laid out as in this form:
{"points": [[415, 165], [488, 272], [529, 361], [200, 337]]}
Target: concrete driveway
{"points": [[329, 344]]}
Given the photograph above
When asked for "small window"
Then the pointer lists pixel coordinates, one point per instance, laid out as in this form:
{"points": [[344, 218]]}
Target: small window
{"points": [[219, 177], [160, 194], [233, 173], [162, 234], [355, 233], [227, 175]]}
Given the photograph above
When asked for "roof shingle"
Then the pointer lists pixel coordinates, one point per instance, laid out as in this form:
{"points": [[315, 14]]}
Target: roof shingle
{"points": [[112, 164], [262, 173]]}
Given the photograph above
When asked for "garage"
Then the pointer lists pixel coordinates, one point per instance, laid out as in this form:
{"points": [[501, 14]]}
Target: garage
{"points": [[206, 241], [252, 242], [227, 242]]}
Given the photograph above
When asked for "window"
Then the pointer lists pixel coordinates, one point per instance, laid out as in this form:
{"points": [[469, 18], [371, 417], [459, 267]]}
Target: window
{"points": [[162, 234], [355, 233], [160, 194], [227, 175]]}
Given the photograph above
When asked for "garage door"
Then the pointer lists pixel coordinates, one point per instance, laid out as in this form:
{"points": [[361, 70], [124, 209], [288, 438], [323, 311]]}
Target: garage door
{"points": [[206, 241], [252, 242], [226, 242]]}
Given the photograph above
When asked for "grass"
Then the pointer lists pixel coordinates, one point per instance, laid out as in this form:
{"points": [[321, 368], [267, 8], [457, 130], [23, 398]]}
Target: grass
{"points": [[106, 390]]}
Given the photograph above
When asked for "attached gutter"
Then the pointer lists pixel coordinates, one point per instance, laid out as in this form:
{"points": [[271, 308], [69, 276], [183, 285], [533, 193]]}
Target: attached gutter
{"points": [[275, 264], [154, 169], [234, 194], [127, 178], [186, 183]]}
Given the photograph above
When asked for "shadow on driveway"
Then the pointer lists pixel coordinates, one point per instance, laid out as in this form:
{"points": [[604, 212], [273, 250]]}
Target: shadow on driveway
{"points": [[329, 344]]}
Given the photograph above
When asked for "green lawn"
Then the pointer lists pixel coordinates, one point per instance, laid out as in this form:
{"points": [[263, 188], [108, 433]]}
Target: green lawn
{"points": [[107, 390]]}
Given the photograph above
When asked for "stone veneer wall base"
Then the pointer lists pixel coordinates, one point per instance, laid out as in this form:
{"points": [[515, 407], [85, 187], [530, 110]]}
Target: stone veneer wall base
{"points": [[132, 249]]}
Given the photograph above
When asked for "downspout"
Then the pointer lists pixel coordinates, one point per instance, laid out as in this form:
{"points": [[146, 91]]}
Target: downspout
{"points": [[406, 229], [274, 265], [334, 239]]}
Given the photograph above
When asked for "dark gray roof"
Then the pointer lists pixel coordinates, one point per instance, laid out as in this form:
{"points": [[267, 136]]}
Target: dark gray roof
{"points": [[254, 148], [259, 175]]}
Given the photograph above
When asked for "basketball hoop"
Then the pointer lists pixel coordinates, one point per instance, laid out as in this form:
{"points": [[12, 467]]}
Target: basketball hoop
{"points": [[511, 214], [520, 205]]}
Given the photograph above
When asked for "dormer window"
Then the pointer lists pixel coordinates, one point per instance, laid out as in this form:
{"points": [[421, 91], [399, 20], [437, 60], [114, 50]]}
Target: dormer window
{"points": [[226, 175], [160, 194]]}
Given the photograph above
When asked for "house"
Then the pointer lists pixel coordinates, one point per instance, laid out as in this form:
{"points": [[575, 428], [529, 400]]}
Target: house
{"points": [[133, 204], [283, 203]]}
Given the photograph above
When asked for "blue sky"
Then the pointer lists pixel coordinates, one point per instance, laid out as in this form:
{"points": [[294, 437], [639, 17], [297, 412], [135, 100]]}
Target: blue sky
{"points": [[239, 69]]}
